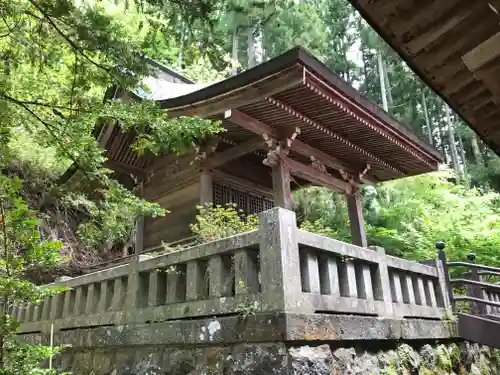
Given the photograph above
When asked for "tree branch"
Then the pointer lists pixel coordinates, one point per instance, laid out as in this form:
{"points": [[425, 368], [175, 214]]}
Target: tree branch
{"points": [[71, 42]]}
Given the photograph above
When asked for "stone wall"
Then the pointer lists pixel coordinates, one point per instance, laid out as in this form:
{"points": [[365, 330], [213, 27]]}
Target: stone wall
{"points": [[392, 358]]}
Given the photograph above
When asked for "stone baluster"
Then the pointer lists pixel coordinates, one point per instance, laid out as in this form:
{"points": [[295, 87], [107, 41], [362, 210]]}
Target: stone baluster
{"points": [[309, 270], [329, 276], [420, 295], [382, 282], [408, 290], [246, 273], [195, 279], [176, 284], [46, 308], [91, 298], [102, 303], [430, 293], [219, 275], [69, 300], [153, 288], [364, 282], [56, 307], [347, 277], [397, 290], [118, 294], [79, 302]]}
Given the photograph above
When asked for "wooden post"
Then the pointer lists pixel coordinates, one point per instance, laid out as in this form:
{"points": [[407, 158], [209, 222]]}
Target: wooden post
{"points": [[139, 228], [282, 192], [355, 211], [206, 188]]}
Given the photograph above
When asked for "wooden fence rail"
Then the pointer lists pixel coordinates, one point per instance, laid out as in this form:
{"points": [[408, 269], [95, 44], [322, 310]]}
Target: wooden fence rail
{"points": [[275, 268]]}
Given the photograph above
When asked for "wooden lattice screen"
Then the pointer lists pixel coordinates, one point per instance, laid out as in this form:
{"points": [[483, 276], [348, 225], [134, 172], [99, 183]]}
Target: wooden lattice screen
{"points": [[247, 201]]}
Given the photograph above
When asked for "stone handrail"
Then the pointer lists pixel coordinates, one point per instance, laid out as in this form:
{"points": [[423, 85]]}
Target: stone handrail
{"points": [[277, 268]]}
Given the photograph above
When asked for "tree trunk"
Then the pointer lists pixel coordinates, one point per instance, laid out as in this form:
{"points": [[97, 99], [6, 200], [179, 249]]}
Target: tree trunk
{"points": [[441, 142], [235, 51], [383, 91], [427, 120], [462, 155], [251, 48], [451, 140], [390, 102], [478, 158]]}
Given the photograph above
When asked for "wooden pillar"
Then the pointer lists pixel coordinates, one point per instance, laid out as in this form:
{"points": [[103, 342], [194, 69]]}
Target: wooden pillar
{"points": [[206, 187], [282, 192], [355, 211], [139, 227]]}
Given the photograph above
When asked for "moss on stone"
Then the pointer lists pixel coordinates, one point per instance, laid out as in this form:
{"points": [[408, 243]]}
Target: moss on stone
{"points": [[443, 360]]}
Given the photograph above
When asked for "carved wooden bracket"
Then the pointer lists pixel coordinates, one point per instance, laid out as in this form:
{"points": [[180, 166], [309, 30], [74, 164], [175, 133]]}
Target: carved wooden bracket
{"points": [[278, 147], [316, 164], [204, 150]]}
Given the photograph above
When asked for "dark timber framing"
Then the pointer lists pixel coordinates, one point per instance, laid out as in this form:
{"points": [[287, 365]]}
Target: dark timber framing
{"points": [[289, 122], [454, 47]]}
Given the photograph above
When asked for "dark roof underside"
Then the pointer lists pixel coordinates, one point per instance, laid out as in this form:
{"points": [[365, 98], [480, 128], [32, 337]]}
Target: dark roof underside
{"points": [[454, 46], [296, 90]]}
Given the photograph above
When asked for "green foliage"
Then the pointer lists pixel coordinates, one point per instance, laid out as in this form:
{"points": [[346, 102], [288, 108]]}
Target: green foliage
{"points": [[443, 358], [408, 216], [216, 222], [22, 249]]}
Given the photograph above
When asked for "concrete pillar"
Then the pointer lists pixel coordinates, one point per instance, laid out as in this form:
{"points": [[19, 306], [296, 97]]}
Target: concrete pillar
{"points": [[153, 289], [279, 259]]}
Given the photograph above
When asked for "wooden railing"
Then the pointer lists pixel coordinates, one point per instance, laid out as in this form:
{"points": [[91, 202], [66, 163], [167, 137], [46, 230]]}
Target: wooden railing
{"points": [[277, 268]]}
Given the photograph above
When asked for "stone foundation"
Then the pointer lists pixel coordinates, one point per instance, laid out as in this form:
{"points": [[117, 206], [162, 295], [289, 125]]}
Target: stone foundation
{"points": [[272, 344], [430, 358]]}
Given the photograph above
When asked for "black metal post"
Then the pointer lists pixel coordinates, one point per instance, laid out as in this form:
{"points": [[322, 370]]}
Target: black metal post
{"points": [[442, 257], [476, 291]]}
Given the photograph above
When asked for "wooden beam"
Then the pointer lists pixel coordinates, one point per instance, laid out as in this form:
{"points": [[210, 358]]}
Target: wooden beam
{"points": [[483, 53], [282, 192], [438, 29], [259, 127], [355, 211], [124, 168], [235, 152], [313, 175]]}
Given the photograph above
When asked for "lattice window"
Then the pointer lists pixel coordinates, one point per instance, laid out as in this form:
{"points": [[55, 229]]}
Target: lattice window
{"points": [[246, 201]]}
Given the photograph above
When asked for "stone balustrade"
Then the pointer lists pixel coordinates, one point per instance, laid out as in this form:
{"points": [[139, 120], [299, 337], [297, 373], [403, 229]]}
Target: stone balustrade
{"points": [[277, 268]]}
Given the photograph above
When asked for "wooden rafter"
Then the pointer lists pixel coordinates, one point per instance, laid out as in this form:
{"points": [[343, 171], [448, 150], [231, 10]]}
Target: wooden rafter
{"points": [[125, 168], [235, 152], [259, 127], [366, 118], [483, 53]]}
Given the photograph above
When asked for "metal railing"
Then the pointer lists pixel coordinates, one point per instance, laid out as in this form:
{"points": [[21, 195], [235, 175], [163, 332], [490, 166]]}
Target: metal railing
{"points": [[483, 296]]}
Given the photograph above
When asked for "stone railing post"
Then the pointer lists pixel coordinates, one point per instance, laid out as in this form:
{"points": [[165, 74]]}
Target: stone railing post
{"points": [[130, 303], [279, 260], [382, 282]]}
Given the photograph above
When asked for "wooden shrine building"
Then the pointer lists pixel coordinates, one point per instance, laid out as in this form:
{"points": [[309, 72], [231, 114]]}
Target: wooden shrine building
{"points": [[289, 122]]}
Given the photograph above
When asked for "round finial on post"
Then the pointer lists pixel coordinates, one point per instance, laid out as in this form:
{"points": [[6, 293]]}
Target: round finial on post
{"points": [[440, 245], [471, 257]]}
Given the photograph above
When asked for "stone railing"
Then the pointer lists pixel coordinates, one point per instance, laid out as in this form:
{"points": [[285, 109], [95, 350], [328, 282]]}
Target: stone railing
{"points": [[276, 268]]}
